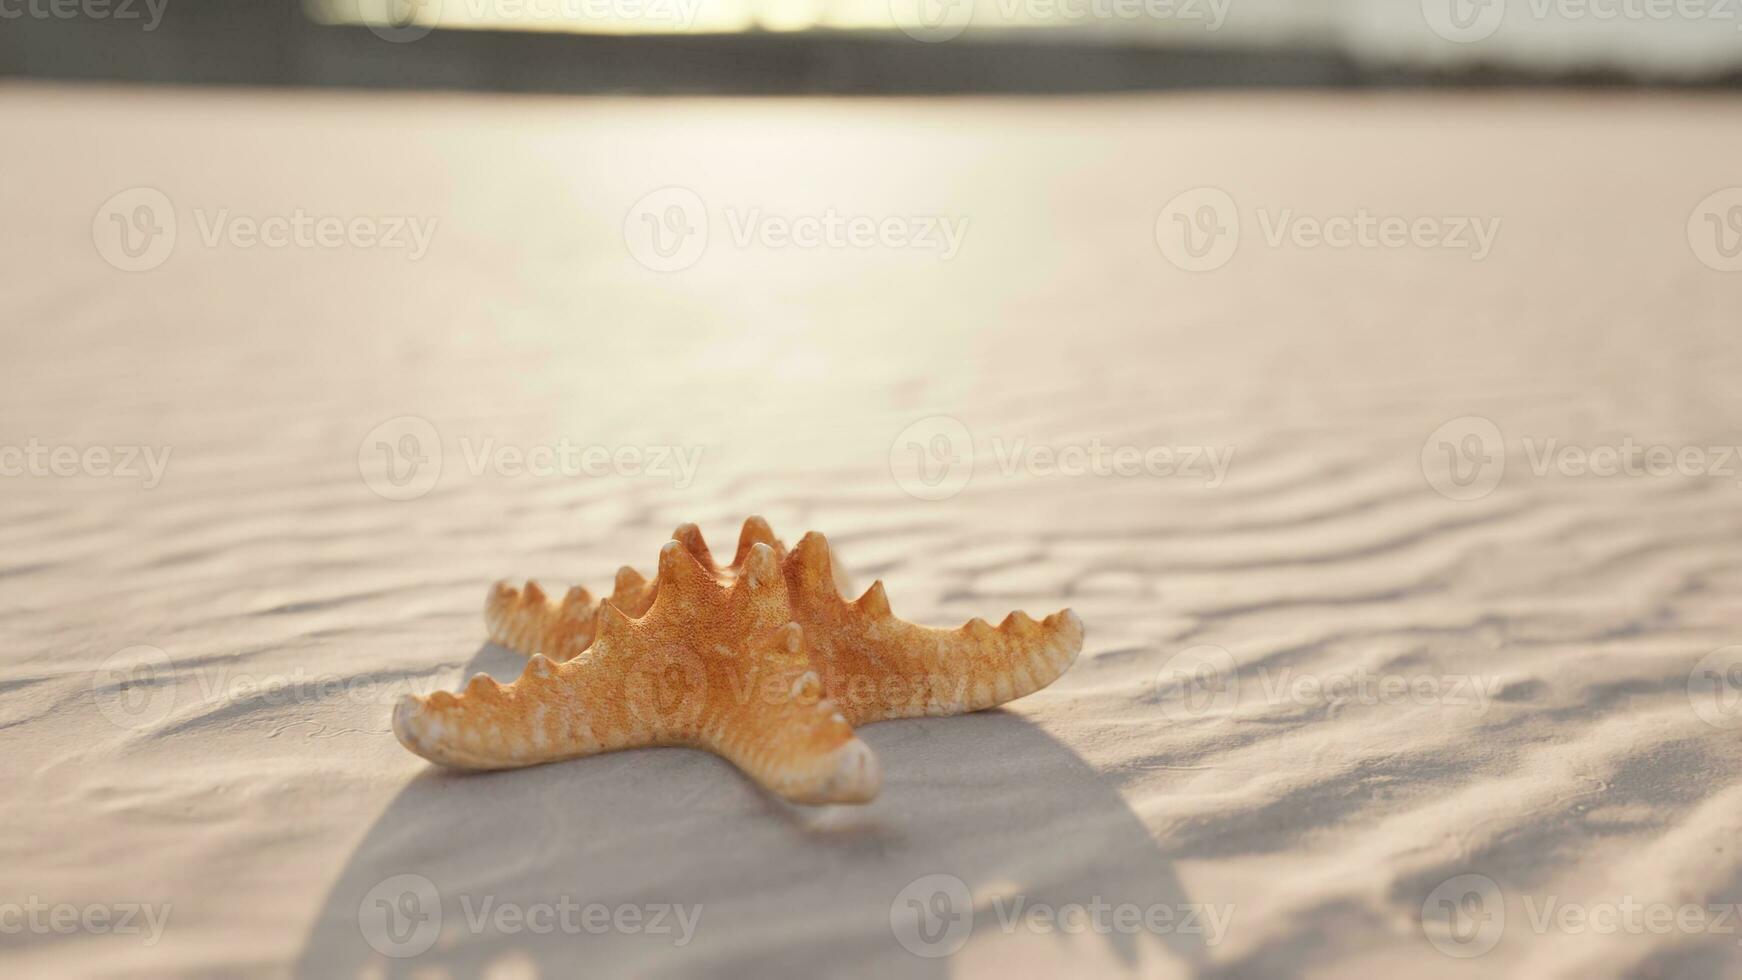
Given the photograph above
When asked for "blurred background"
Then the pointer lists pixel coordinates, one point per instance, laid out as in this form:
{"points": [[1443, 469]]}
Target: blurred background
{"points": [[777, 46]]}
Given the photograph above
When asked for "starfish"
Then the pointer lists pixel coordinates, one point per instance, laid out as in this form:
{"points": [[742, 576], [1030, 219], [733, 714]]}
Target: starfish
{"points": [[760, 661]]}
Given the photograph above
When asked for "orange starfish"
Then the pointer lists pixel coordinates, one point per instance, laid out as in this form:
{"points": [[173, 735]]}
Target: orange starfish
{"points": [[761, 661]]}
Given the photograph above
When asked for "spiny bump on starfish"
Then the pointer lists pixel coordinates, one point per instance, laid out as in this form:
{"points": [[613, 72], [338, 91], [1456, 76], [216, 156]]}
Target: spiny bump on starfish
{"points": [[774, 668], [875, 602]]}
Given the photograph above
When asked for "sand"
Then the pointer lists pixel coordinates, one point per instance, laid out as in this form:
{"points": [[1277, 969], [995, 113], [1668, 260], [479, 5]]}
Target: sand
{"points": [[197, 667]]}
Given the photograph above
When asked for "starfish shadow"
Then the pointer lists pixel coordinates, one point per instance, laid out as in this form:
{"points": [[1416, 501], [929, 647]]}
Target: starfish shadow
{"points": [[989, 798]]}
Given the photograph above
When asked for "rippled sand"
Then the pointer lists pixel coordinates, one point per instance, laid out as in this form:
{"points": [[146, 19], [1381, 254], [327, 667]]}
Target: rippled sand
{"points": [[1233, 738]]}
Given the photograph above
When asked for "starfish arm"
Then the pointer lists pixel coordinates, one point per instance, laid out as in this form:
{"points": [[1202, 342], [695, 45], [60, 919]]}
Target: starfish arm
{"points": [[881, 667], [636, 685], [782, 732], [553, 711], [927, 671], [527, 621], [798, 765], [621, 682]]}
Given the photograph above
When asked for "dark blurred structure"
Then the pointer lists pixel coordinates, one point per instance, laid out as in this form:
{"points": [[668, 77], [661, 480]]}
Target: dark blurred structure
{"points": [[226, 42]]}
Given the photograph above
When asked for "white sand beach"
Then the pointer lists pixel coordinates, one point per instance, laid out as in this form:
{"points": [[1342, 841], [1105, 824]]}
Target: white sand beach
{"points": [[1407, 652]]}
